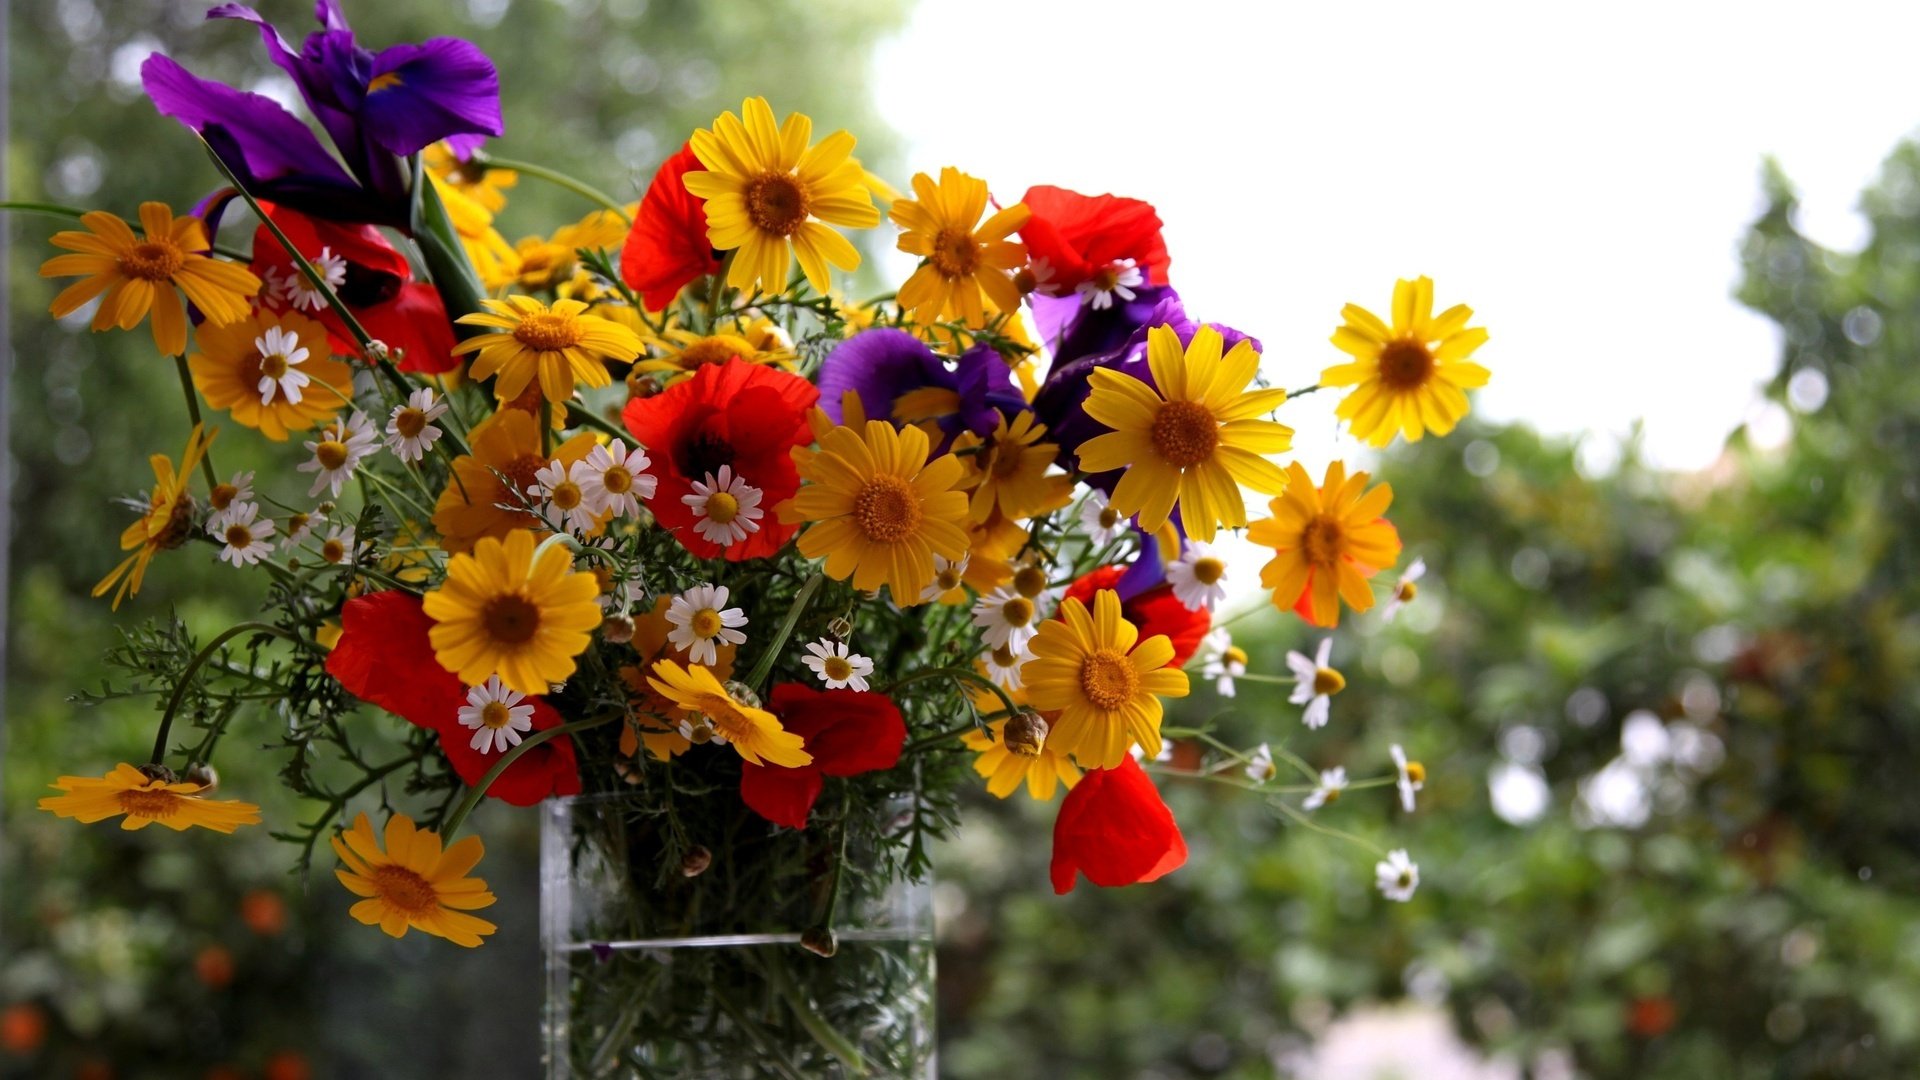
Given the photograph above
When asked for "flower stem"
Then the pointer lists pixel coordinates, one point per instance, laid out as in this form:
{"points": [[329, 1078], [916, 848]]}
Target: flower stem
{"points": [[193, 413], [763, 666], [193, 667], [556, 178], [475, 791]]}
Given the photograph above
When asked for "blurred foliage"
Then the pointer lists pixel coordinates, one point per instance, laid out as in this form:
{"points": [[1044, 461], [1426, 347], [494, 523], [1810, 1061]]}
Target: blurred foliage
{"points": [[1696, 699]]}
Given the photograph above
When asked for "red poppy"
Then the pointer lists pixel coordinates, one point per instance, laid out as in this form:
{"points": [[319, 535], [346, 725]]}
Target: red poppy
{"points": [[379, 289], [848, 732], [384, 658], [1155, 611], [745, 415], [1114, 828], [1079, 235], [668, 246]]}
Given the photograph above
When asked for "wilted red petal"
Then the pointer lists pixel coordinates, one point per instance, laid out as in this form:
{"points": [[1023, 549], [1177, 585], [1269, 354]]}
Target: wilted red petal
{"points": [[1114, 828], [668, 245]]}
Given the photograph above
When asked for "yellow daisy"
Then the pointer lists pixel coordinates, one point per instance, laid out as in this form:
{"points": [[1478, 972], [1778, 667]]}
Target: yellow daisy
{"points": [[235, 358], [167, 523], [485, 186], [544, 264], [964, 257], [501, 613], [680, 352], [753, 732], [1409, 378], [1043, 768], [1327, 542], [496, 477], [138, 274], [1191, 439], [414, 883], [880, 510], [1010, 474], [650, 630], [145, 801], [768, 190], [1102, 680], [559, 344]]}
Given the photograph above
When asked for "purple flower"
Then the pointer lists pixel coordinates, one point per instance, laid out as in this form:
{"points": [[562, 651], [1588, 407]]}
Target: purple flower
{"points": [[898, 378], [377, 108]]}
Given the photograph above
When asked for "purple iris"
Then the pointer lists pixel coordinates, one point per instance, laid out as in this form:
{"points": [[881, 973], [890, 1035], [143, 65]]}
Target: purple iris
{"points": [[377, 108], [884, 365]]}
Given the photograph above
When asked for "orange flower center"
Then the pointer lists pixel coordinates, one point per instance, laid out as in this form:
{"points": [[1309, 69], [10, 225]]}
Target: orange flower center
{"points": [[713, 350], [523, 472], [496, 715], [1328, 682], [617, 480], [331, 454], [1416, 772], [1405, 364], [273, 366], [1003, 656], [1108, 678], [332, 550], [155, 804], [1209, 570], [705, 623], [1017, 611], [1332, 795], [948, 579], [777, 203], [722, 508], [405, 889], [1106, 277], [510, 619], [1322, 541], [954, 253], [1235, 655], [837, 668], [155, 260], [410, 423], [565, 495], [239, 536], [547, 332], [725, 717], [1110, 518], [886, 509], [1406, 592], [1030, 581], [222, 496], [1185, 433]]}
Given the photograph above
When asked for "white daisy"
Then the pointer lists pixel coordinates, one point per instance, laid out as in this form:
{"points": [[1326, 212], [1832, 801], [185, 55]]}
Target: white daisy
{"points": [[726, 508], [281, 355], [1405, 590], [562, 503], [1004, 663], [1040, 272], [615, 478], [339, 546], [495, 715], [1007, 618], [1103, 523], [300, 293], [836, 666], [947, 575], [1397, 876], [1314, 684], [1332, 782], [338, 451], [626, 596], [700, 616], [1225, 662], [410, 430], [1260, 767], [238, 489], [1114, 279], [1196, 576], [244, 535], [301, 526], [1413, 777]]}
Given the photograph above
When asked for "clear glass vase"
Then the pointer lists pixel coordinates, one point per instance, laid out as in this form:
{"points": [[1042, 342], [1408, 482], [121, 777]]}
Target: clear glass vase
{"points": [[657, 972]]}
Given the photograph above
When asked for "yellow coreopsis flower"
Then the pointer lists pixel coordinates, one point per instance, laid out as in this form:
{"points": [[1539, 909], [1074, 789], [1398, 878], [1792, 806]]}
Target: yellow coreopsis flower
{"points": [[1042, 768], [769, 189], [880, 511], [680, 352], [545, 263], [1103, 681], [489, 484], [754, 733], [1409, 378], [965, 257], [145, 801], [1010, 474], [1327, 542], [166, 524], [559, 345], [500, 612], [238, 359], [1191, 439], [485, 186], [139, 273], [414, 882]]}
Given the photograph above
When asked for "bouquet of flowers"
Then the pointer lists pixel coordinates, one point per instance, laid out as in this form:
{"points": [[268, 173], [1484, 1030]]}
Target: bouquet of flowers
{"points": [[650, 511]]}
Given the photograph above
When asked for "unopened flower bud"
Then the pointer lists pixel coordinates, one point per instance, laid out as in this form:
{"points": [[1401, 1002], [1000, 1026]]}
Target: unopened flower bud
{"points": [[157, 771], [819, 941], [1025, 733], [627, 771], [377, 351], [617, 629], [695, 861], [743, 694], [201, 773], [841, 628]]}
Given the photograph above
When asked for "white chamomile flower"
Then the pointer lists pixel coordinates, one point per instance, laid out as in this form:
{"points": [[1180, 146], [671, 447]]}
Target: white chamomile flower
{"points": [[238, 489], [947, 576], [837, 667], [1332, 782], [615, 478], [1405, 590], [1007, 618], [726, 509], [1196, 576], [699, 617], [1413, 777], [338, 451], [626, 596], [1260, 766], [245, 536], [1397, 875], [300, 293], [562, 503], [1225, 662], [301, 526], [410, 430], [1040, 272], [1103, 523], [1004, 663], [1114, 279], [495, 715], [339, 546], [281, 355], [1165, 755], [1314, 684]]}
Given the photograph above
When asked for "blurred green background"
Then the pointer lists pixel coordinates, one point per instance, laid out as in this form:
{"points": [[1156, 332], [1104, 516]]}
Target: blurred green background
{"points": [[1671, 720]]}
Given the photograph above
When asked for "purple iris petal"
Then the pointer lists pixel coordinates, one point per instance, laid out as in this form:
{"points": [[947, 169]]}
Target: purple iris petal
{"points": [[883, 364], [439, 88], [1147, 569]]}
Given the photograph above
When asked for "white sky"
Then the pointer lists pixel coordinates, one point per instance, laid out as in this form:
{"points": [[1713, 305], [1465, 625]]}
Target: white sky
{"points": [[1580, 176]]}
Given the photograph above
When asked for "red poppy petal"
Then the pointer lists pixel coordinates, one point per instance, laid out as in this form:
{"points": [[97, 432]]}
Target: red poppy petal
{"points": [[1114, 828], [1155, 611], [782, 796], [848, 732], [1078, 234], [668, 245]]}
